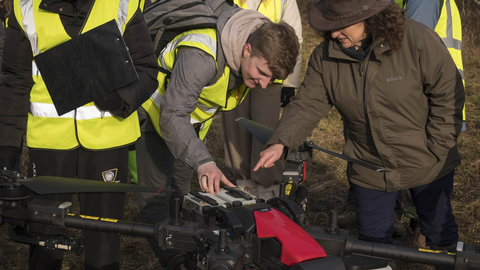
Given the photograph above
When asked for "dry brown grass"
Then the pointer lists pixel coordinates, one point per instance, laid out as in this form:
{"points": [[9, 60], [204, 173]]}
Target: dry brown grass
{"points": [[326, 179]]}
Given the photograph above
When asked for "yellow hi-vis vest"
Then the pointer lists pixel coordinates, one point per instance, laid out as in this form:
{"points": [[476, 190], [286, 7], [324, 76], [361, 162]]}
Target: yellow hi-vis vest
{"points": [[86, 126], [401, 3], [449, 28], [273, 9], [213, 98]]}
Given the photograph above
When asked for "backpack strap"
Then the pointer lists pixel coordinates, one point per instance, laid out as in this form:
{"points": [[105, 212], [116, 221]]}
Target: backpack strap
{"points": [[221, 61]]}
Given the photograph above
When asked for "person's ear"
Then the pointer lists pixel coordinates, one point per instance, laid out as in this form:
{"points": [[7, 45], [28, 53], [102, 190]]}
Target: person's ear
{"points": [[247, 49]]}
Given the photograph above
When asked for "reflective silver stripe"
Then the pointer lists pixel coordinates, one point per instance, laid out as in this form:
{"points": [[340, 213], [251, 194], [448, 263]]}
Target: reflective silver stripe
{"points": [[48, 110], [35, 71], [26, 7], [449, 41], [193, 121], [157, 98], [210, 110], [83, 113], [206, 109], [91, 112], [449, 29], [197, 37], [122, 14], [284, 2]]}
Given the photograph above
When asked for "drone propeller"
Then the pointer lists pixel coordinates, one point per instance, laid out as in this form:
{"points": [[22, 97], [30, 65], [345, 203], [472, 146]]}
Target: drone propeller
{"points": [[263, 133], [53, 185]]}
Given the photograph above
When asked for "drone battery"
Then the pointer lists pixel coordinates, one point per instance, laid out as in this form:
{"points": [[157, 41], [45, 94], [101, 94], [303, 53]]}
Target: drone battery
{"points": [[196, 204], [236, 197]]}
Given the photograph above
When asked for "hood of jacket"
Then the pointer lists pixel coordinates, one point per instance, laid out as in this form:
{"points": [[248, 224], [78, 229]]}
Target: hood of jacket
{"points": [[235, 26]]}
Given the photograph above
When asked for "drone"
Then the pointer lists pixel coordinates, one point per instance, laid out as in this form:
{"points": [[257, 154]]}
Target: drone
{"points": [[233, 230]]}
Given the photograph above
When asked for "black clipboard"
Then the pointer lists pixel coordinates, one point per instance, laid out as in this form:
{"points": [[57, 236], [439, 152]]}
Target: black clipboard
{"points": [[97, 59]]}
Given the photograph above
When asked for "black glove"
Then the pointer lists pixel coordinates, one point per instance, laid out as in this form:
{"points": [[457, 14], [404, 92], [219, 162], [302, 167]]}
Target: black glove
{"points": [[107, 101], [287, 94]]}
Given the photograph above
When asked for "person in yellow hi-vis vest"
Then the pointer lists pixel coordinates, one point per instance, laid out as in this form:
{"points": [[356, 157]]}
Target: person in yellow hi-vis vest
{"points": [[263, 106], [176, 118], [90, 141]]}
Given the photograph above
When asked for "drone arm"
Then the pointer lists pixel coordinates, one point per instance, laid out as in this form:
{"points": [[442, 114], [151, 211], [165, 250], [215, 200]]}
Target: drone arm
{"points": [[339, 243], [109, 225], [387, 251]]}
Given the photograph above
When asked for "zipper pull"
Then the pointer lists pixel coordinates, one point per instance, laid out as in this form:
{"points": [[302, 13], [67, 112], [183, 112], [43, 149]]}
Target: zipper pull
{"points": [[360, 70]]}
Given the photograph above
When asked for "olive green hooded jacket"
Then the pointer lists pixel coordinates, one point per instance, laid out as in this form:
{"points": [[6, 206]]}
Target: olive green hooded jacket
{"points": [[402, 111]]}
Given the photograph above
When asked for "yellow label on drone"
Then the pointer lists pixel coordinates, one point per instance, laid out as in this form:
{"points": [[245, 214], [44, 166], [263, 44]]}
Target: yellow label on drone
{"points": [[89, 217], [435, 251], [109, 219], [288, 188], [94, 218]]}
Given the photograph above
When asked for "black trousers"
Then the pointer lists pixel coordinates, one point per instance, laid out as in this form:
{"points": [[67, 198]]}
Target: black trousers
{"points": [[102, 250], [375, 212], [157, 167]]}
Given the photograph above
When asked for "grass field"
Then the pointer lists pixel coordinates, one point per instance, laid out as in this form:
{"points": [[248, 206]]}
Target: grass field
{"points": [[326, 180]]}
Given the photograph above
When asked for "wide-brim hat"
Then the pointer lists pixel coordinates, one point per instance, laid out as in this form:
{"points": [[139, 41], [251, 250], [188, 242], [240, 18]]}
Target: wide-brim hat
{"points": [[329, 15]]}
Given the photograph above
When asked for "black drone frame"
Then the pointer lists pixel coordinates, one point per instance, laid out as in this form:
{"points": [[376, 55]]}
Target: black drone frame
{"points": [[226, 239], [218, 237]]}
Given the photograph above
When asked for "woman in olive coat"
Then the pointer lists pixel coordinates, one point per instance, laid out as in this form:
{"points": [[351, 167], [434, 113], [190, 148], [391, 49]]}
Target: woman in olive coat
{"points": [[401, 98]]}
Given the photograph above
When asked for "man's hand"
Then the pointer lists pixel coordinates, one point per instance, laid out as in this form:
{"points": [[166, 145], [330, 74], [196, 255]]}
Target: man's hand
{"points": [[269, 156], [209, 178]]}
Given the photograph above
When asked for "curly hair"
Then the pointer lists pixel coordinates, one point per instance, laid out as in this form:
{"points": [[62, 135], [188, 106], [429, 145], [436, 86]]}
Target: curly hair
{"points": [[7, 5], [388, 24]]}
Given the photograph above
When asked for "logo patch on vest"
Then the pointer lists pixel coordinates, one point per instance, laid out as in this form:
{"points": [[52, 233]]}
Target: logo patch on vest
{"points": [[110, 176]]}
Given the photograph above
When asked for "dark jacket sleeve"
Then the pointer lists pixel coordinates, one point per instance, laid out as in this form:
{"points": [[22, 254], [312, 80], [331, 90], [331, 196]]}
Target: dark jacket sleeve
{"points": [[444, 88], [140, 46], [15, 85]]}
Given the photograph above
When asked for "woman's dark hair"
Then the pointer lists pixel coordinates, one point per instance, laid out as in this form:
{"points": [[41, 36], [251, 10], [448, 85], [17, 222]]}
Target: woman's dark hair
{"points": [[7, 5], [388, 24]]}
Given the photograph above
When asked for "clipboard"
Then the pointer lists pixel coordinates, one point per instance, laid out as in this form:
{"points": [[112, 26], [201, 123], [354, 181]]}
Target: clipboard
{"points": [[97, 59]]}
